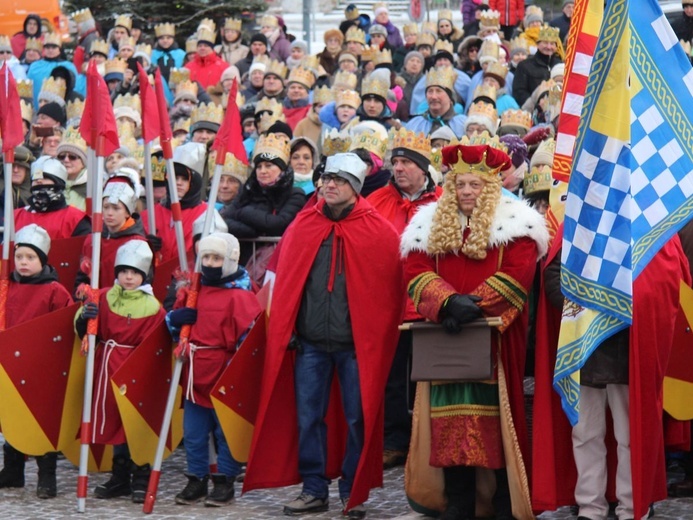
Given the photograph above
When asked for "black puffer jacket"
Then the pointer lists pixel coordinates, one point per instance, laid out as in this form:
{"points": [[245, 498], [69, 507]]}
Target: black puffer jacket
{"points": [[530, 73]]}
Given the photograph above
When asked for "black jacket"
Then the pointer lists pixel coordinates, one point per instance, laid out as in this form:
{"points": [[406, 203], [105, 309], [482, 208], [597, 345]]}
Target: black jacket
{"points": [[530, 73]]}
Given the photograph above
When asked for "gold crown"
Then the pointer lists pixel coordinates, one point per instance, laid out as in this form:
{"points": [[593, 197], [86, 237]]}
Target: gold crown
{"points": [[273, 146], [124, 20], [126, 42], [302, 76], [266, 120], [268, 105], [34, 44], [430, 27], [74, 108], [443, 45], [129, 101], [74, 138], [480, 108], [207, 23], [497, 69], [482, 167], [346, 79], [548, 34], [269, 21], [514, 117], [445, 14], [311, 62], [25, 88], [354, 34], [436, 158], [369, 53], [410, 28], [27, 110], [51, 86], [277, 68], [100, 46], [116, 65], [164, 29], [489, 49], [178, 76], [485, 91], [262, 58], [425, 38], [240, 100], [234, 168], [322, 95], [205, 35], [158, 169], [83, 15], [537, 178], [181, 125], [443, 77], [335, 142], [417, 142], [52, 39], [210, 112], [144, 48], [186, 90], [370, 141], [374, 86], [519, 44], [383, 57], [191, 45], [378, 5], [490, 19], [5, 42], [347, 97], [233, 24]]}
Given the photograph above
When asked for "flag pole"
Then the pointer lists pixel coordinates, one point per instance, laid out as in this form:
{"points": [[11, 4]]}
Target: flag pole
{"points": [[8, 232], [149, 187]]}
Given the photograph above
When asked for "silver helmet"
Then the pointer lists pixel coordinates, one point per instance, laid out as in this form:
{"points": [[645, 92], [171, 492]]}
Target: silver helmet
{"points": [[34, 236], [50, 166], [119, 191], [218, 224], [135, 254], [192, 155], [348, 166]]}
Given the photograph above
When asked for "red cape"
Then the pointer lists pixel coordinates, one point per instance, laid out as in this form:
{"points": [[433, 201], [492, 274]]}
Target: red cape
{"points": [[294, 115], [374, 288]]}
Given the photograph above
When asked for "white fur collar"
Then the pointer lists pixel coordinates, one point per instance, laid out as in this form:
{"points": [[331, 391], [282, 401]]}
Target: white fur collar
{"points": [[513, 219]]}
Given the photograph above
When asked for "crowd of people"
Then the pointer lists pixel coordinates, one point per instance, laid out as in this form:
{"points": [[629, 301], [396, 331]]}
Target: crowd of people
{"points": [[396, 176]]}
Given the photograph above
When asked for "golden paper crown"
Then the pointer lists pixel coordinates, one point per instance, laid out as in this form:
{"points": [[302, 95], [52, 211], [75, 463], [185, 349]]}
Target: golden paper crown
{"points": [[485, 91], [483, 109], [5, 42], [445, 14], [346, 79], [34, 44], [425, 38], [74, 138], [347, 97], [548, 34], [51, 86], [311, 62], [268, 105], [336, 142], [537, 178], [277, 68], [519, 44], [178, 76], [489, 49], [52, 39], [497, 69], [126, 42], [130, 101], [207, 23], [27, 110], [443, 45], [514, 117], [555, 95], [262, 58], [83, 15], [416, 142], [234, 168], [267, 120], [369, 53], [191, 45], [383, 57], [410, 28], [272, 146], [371, 142], [233, 24], [210, 112], [25, 88], [374, 86], [164, 29], [378, 5], [181, 125], [443, 77], [144, 48], [354, 34], [490, 19], [302, 76], [543, 155], [158, 169], [100, 46], [187, 89], [74, 108], [436, 158], [322, 95], [240, 100], [205, 35], [269, 21], [124, 20], [430, 27], [480, 168], [116, 65]]}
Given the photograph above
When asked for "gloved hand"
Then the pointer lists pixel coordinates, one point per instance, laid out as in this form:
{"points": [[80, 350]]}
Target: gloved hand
{"points": [[183, 316], [451, 325], [90, 311], [294, 344], [463, 308], [155, 243]]}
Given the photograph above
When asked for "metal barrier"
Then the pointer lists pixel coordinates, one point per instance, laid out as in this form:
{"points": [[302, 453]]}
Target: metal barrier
{"points": [[259, 240]]}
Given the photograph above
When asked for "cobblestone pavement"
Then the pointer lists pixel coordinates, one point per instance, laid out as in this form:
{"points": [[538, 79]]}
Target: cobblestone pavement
{"points": [[388, 502]]}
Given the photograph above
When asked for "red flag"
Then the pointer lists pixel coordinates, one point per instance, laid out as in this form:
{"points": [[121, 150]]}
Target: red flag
{"points": [[164, 124], [150, 109], [98, 125], [230, 136], [10, 112]]}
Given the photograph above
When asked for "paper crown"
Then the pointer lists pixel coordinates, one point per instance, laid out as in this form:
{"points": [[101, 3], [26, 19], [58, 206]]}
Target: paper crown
{"points": [[126, 43], [383, 57], [52, 88], [34, 44], [233, 24], [186, 90], [322, 95], [143, 49], [273, 146], [266, 120], [269, 21], [181, 125], [369, 53], [430, 27], [519, 44], [158, 169], [52, 39], [336, 142], [234, 168], [240, 100], [209, 112], [351, 12], [205, 35], [343, 79], [83, 15], [72, 137], [379, 5], [416, 142], [74, 109], [537, 178], [347, 97], [128, 101], [302, 76], [208, 24], [25, 88], [116, 65], [489, 151], [100, 46], [164, 29], [5, 43], [374, 86], [369, 141], [485, 92], [262, 58], [410, 28], [445, 14], [443, 77], [27, 110], [543, 155], [268, 105], [191, 45], [354, 34], [277, 68], [483, 109], [178, 76], [311, 62], [124, 20], [518, 118], [497, 70], [443, 45], [425, 38], [489, 51], [548, 34], [490, 19]]}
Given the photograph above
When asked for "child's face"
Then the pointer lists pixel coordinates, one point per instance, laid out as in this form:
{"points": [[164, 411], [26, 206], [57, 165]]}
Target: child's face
{"points": [[130, 279], [26, 261], [114, 215], [212, 260]]}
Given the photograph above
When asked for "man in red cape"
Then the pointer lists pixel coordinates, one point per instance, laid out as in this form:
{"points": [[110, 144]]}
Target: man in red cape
{"points": [[363, 251]]}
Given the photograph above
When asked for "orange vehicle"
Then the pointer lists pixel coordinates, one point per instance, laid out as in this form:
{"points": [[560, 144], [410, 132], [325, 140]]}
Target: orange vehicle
{"points": [[13, 13]]}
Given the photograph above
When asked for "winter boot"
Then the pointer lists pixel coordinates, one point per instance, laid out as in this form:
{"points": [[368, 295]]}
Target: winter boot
{"points": [[119, 483], [140, 482], [194, 491], [12, 475], [460, 490], [222, 493], [47, 487], [502, 505]]}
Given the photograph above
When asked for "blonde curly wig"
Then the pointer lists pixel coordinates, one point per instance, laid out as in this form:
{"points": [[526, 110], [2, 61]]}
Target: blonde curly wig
{"points": [[446, 230]]}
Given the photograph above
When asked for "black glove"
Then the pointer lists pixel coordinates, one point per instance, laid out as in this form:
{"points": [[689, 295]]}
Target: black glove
{"points": [[463, 308], [155, 243], [451, 325], [294, 344], [90, 311], [183, 316]]}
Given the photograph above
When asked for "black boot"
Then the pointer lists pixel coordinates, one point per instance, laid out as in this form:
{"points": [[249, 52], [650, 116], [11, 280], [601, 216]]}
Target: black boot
{"points": [[460, 490], [119, 483], [194, 491], [140, 482], [47, 487], [12, 475], [502, 506], [222, 493]]}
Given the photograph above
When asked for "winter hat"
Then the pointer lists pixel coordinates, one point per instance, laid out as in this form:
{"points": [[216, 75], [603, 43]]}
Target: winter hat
{"points": [[531, 18], [414, 54], [558, 70], [230, 73], [334, 33], [54, 111], [347, 56], [134, 254], [300, 44], [46, 167], [258, 37], [23, 157], [257, 65], [280, 127], [517, 148], [36, 238], [377, 29], [224, 245], [351, 12], [348, 166], [218, 225], [568, 2]]}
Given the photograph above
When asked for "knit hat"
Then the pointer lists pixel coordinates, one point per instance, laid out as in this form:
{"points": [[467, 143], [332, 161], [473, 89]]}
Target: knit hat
{"points": [[531, 18], [517, 148], [230, 73], [348, 166], [280, 127], [72, 142], [257, 65], [23, 157], [224, 245], [258, 37], [334, 33], [414, 54], [558, 70], [300, 44], [36, 238], [377, 29], [54, 111], [347, 56], [568, 2]]}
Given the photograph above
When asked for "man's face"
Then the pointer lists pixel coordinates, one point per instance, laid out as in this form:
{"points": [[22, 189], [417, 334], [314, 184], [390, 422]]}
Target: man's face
{"points": [[546, 48], [51, 51], [50, 145], [228, 189], [258, 48], [19, 173], [165, 41], [32, 27], [408, 176], [256, 78], [204, 50], [272, 84], [46, 121], [468, 187], [438, 101], [119, 32], [203, 136], [569, 8], [337, 192], [72, 163], [297, 92], [356, 48]]}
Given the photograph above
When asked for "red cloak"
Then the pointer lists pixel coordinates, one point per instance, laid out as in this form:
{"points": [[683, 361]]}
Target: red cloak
{"points": [[374, 287]]}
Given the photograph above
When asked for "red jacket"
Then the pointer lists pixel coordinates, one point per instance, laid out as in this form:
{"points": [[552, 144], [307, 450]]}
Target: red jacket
{"points": [[511, 11], [206, 71]]}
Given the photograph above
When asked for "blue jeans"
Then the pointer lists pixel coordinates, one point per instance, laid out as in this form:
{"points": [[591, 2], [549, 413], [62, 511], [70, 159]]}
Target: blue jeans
{"points": [[198, 422], [313, 379]]}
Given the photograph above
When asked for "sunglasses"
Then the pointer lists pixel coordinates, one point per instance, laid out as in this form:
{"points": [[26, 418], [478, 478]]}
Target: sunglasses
{"points": [[68, 156]]}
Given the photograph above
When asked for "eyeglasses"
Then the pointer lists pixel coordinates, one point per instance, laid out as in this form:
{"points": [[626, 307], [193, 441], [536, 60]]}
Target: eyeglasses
{"points": [[68, 156], [338, 181]]}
